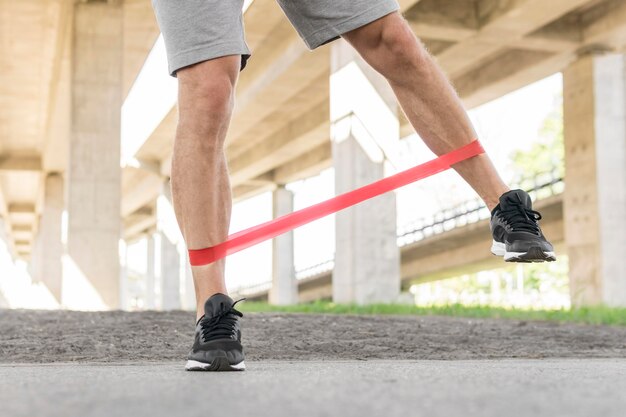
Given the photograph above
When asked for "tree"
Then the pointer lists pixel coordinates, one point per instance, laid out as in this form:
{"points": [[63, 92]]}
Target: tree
{"points": [[547, 154]]}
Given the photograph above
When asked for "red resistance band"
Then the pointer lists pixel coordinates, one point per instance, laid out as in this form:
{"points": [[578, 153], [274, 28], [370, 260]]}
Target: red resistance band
{"points": [[257, 234]]}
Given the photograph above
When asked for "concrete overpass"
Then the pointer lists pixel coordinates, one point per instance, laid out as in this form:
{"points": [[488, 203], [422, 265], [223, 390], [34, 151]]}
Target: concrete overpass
{"points": [[447, 247], [68, 67]]}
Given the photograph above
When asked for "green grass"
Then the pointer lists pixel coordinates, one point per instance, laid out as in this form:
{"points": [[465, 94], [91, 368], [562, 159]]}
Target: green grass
{"points": [[587, 315]]}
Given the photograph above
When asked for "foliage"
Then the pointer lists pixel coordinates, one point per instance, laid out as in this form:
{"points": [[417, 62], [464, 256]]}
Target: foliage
{"points": [[547, 154]]}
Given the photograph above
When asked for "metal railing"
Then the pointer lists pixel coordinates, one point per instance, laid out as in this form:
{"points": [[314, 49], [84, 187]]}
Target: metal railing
{"points": [[539, 187]]}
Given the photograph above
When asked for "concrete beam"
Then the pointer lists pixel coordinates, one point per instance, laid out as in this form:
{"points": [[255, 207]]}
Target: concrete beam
{"points": [[445, 33], [294, 138], [303, 166], [504, 73], [538, 43], [21, 208], [265, 179], [454, 21], [519, 17], [605, 24], [141, 193], [260, 19], [449, 20], [151, 166], [23, 235], [22, 214], [429, 30], [298, 168], [243, 192], [407, 4], [506, 22], [139, 222], [20, 163], [23, 247], [5, 222], [140, 33], [22, 228], [514, 69]]}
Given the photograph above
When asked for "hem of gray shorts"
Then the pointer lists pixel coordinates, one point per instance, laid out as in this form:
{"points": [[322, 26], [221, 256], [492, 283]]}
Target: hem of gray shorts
{"points": [[329, 34], [208, 52]]}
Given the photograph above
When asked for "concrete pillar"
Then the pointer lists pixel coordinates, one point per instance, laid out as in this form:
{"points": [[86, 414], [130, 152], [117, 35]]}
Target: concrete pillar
{"points": [[5, 257], [189, 300], [46, 262], [170, 271], [170, 274], [364, 130], [595, 196], [94, 154], [150, 303], [36, 257], [284, 289], [124, 284]]}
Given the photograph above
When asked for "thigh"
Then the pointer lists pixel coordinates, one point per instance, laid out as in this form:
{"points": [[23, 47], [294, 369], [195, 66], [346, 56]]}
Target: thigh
{"points": [[199, 30], [321, 21]]}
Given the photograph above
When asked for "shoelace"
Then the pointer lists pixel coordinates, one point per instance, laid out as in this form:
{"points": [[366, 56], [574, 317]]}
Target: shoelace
{"points": [[221, 324], [520, 217]]}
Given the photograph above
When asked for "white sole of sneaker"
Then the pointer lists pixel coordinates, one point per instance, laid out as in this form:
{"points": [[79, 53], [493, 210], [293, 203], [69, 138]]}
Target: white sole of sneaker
{"points": [[219, 364], [498, 249], [533, 255]]}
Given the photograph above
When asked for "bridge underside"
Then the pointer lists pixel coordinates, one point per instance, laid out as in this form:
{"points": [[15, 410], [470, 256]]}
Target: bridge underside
{"points": [[459, 251], [68, 68]]}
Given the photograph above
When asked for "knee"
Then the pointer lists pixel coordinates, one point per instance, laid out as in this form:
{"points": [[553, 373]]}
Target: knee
{"points": [[401, 46], [206, 100], [397, 50]]}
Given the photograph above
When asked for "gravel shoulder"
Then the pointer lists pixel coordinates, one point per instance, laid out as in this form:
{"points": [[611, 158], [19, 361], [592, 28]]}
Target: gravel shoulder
{"points": [[117, 337]]}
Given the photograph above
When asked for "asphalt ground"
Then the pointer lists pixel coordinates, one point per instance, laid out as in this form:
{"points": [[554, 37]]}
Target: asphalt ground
{"points": [[64, 363], [512, 388]]}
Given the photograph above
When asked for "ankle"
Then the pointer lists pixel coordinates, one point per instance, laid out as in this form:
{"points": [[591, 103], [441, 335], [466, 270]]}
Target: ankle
{"points": [[201, 300], [491, 204], [493, 199]]}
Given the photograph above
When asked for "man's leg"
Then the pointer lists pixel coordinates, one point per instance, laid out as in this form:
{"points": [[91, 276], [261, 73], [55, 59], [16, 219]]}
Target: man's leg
{"points": [[200, 184], [436, 113], [206, 49], [426, 96]]}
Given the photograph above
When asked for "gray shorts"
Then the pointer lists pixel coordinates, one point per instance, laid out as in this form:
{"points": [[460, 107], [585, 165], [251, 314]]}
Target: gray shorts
{"points": [[199, 30]]}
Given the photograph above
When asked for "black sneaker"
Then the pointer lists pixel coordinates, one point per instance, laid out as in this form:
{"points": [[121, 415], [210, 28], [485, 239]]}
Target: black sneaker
{"points": [[516, 233], [217, 345]]}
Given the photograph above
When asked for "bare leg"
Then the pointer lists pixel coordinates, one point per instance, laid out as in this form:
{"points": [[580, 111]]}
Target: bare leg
{"points": [[426, 96], [200, 184]]}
